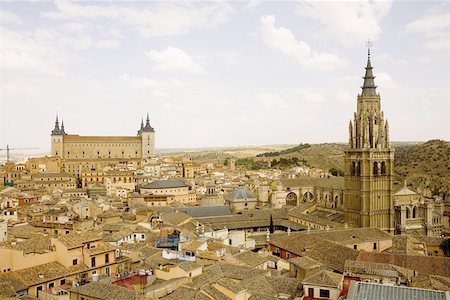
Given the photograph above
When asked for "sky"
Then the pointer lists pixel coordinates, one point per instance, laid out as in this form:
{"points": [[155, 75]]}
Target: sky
{"points": [[212, 74]]}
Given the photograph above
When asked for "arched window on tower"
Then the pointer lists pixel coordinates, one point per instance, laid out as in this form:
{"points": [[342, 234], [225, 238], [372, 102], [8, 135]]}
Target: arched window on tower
{"points": [[407, 213], [375, 168], [359, 169], [383, 168], [353, 171], [414, 212]]}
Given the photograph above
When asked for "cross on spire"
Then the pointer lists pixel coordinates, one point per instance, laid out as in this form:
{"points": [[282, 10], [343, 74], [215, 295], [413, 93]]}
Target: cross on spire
{"points": [[368, 45]]}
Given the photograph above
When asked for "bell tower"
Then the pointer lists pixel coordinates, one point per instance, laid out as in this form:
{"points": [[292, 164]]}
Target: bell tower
{"points": [[369, 162]]}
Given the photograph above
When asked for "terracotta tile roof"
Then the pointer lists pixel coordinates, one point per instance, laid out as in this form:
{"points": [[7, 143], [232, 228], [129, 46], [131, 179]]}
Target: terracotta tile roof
{"points": [[189, 266], [193, 245], [74, 240], [14, 280], [176, 218], [101, 247], [38, 244], [250, 258], [330, 254], [6, 290], [230, 284], [305, 262], [24, 231], [269, 287], [352, 236], [408, 245], [104, 291], [41, 273], [432, 282], [425, 265], [356, 268], [324, 278]]}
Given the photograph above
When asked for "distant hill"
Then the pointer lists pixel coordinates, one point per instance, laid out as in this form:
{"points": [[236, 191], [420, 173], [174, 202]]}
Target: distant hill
{"points": [[426, 166], [323, 156]]}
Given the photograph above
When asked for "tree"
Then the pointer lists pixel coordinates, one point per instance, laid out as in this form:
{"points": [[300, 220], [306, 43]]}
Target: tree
{"points": [[445, 246]]}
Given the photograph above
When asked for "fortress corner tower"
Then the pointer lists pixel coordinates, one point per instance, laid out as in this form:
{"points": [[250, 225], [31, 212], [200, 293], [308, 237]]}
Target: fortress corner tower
{"points": [[369, 163]]}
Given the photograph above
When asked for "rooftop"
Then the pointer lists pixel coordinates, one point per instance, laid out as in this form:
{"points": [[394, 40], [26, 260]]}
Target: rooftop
{"points": [[104, 291], [165, 184], [363, 290]]}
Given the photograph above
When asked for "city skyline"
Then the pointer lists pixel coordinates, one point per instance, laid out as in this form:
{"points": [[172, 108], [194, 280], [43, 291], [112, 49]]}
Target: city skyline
{"points": [[220, 74]]}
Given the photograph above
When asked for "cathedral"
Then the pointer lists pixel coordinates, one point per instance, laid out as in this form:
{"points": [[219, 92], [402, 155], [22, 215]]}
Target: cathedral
{"points": [[76, 147], [369, 162]]}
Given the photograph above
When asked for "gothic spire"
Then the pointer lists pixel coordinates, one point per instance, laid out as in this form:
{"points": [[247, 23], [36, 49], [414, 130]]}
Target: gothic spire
{"points": [[142, 126], [147, 127], [369, 87], [56, 130], [62, 128]]}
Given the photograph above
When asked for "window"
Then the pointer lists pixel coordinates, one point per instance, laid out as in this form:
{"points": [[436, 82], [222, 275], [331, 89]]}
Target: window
{"points": [[74, 262], [106, 258], [107, 271], [374, 246], [51, 285], [355, 247], [62, 281], [324, 293], [92, 262]]}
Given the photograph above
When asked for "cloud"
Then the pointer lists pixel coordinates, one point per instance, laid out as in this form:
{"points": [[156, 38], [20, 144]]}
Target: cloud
{"points": [[173, 59], [384, 80], [8, 17], [107, 44], [430, 23], [284, 41], [159, 88], [251, 5], [435, 25], [163, 19], [352, 22], [384, 57], [26, 54]]}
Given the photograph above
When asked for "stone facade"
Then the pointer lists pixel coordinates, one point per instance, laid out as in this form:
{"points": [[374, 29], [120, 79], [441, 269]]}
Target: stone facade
{"points": [[415, 214], [76, 147], [369, 163]]}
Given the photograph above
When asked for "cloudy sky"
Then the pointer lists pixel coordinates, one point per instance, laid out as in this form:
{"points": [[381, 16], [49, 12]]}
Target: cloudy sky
{"points": [[220, 73]]}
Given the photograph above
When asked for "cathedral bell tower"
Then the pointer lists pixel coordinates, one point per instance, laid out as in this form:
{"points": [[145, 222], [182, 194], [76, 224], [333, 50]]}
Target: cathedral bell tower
{"points": [[369, 163]]}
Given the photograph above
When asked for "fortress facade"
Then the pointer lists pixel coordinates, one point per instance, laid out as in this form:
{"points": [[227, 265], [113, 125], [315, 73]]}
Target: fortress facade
{"points": [[74, 146]]}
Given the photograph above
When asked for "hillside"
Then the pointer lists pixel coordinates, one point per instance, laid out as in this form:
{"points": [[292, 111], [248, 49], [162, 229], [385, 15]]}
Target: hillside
{"points": [[323, 156], [426, 166]]}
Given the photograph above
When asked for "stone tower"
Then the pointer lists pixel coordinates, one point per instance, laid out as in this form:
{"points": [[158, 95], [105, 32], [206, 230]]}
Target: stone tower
{"points": [[369, 163], [147, 133], [57, 137]]}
